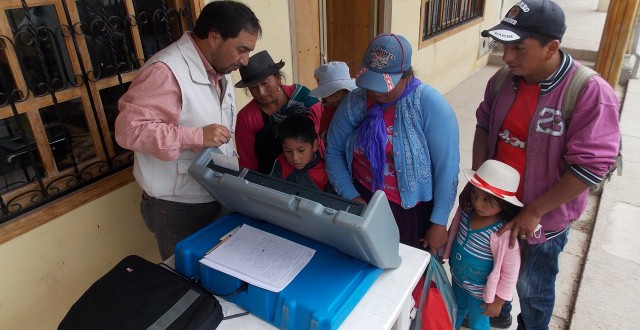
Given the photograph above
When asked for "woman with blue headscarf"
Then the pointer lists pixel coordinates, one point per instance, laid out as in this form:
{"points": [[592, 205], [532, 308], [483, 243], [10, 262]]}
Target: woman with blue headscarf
{"points": [[399, 135]]}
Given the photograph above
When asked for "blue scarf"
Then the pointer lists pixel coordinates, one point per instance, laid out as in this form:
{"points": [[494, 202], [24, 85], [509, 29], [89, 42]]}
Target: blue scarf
{"points": [[372, 136]]}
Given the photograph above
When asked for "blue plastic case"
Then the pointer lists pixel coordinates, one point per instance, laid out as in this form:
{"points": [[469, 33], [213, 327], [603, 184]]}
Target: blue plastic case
{"points": [[353, 244], [320, 297]]}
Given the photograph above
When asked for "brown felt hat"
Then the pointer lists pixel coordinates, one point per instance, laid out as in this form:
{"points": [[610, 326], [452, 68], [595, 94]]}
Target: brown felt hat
{"points": [[260, 66]]}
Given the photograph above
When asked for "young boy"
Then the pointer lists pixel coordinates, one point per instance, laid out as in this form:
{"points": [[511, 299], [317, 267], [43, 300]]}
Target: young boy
{"points": [[300, 161], [334, 82]]}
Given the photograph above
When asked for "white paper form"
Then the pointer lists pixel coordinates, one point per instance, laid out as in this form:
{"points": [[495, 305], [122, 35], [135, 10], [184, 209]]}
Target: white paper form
{"points": [[259, 258], [225, 161]]}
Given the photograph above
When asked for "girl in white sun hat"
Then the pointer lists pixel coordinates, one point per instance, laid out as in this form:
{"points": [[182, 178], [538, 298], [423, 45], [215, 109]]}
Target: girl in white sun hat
{"points": [[484, 269]]}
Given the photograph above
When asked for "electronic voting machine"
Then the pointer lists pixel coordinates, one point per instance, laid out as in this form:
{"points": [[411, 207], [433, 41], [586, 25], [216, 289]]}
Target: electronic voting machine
{"points": [[353, 244]]}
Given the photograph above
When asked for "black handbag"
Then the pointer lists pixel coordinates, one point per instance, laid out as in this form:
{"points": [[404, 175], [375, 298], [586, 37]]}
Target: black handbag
{"points": [[138, 294]]}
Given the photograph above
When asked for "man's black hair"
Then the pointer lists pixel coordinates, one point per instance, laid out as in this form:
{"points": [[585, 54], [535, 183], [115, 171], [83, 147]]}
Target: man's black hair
{"points": [[227, 18], [542, 39], [297, 126]]}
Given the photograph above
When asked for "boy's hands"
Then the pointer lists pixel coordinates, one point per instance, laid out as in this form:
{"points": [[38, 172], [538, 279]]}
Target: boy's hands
{"points": [[359, 199]]}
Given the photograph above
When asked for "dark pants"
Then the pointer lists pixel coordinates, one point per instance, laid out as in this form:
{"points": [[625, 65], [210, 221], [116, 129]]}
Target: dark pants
{"points": [[412, 223], [537, 283], [172, 222]]}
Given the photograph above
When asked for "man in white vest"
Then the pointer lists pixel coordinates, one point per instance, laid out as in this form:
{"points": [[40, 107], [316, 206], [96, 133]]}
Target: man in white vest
{"points": [[182, 101]]}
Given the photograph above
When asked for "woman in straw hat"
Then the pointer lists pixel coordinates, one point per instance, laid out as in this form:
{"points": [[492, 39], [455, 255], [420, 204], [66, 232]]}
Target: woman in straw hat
{"points": [[272, 101], [484, 269]]}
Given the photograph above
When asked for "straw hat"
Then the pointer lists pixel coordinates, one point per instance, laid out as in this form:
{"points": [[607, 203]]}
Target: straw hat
{"points": [[496, 178]]}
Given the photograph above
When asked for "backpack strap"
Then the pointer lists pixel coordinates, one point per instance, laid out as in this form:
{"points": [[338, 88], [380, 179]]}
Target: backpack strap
{"points": [[501, 77], [576, 84]]}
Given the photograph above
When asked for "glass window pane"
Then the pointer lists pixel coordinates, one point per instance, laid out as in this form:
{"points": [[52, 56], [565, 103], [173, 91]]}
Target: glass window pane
{"points": [[7, 84], [109, 97], [40, 48], [108, 35], [67, 130], [16, 150], [155, 29], [443, 15]]}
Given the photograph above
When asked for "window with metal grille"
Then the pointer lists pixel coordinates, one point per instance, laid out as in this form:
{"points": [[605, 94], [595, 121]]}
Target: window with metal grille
{"points": [[441, 16], [63, 66]]}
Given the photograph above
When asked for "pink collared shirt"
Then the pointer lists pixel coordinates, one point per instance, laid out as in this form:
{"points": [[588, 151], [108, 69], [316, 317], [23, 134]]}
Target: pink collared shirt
{"points": [[150, 110]]}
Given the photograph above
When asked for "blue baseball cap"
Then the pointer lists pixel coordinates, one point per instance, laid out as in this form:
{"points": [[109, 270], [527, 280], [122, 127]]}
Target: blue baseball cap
{"points": [[386, 59]]}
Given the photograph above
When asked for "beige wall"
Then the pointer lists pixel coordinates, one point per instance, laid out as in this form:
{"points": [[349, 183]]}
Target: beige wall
{"points": [[276, 39], [47, 269], [448, 62], [443, 65]]}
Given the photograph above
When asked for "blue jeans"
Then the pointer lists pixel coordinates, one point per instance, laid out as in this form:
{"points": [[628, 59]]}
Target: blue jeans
{"points": [[468, 304], [537, 283]]}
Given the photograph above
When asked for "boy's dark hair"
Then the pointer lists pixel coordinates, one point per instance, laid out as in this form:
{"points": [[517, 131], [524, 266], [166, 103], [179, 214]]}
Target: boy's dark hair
{"points": [[227, 18], [297, 126]]}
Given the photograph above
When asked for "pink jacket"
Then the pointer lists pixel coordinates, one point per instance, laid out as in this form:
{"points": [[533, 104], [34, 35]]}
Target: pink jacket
{"points": [[506, 263], [587, 147]]}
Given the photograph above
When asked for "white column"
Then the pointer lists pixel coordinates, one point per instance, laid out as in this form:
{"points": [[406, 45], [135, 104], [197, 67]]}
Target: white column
{"points": [[603, 5]]}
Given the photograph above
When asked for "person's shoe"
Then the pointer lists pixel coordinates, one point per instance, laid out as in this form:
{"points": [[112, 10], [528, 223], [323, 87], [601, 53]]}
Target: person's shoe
{"points": [[500, 322]]}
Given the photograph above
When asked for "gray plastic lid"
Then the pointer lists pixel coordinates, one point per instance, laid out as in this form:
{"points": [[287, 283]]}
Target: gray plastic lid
{"points": [[366, 232]]}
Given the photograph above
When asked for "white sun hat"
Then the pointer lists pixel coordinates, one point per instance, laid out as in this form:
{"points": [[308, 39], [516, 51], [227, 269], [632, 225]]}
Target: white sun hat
{"points": [[332, 77], [496, 178]]}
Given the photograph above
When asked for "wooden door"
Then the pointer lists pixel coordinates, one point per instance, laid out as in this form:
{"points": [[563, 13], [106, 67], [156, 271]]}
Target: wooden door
{"points": [[306, 41], [350, 26]]}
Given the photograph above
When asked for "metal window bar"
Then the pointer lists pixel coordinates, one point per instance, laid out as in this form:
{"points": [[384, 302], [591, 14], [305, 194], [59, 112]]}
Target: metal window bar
{"points": [[443, 15], [47, 56]]}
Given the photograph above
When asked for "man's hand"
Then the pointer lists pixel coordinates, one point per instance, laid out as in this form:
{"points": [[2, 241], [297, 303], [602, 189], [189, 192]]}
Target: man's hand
{"points": [[567, 188], [215, 135], [435, 237], [522, 226]]}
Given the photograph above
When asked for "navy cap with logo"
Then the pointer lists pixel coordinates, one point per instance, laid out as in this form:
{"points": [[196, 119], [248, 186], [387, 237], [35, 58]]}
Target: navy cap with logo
{"points": [[385, 60], [529, 17]]}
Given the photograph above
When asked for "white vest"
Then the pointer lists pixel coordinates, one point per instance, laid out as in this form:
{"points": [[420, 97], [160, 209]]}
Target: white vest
{"points": [[201, 106]]}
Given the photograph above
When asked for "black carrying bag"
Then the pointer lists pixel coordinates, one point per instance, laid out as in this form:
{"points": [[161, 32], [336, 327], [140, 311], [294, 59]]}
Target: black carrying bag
{"points": [[138, 294]]}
